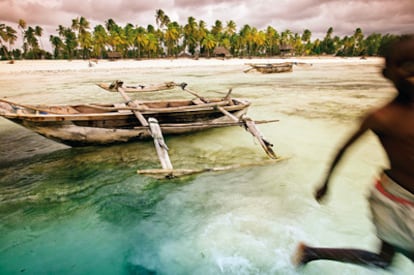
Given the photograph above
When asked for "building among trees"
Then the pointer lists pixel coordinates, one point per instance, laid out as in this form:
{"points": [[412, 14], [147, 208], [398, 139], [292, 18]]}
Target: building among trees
{"points": [[221, 52]]}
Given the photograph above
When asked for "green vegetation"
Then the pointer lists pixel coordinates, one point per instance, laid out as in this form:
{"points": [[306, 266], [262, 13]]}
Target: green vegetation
{"points": [[169, 39]]}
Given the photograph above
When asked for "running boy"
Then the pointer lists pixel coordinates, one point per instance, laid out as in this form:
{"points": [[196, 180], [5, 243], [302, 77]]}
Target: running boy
{"points": [[392, 198]]}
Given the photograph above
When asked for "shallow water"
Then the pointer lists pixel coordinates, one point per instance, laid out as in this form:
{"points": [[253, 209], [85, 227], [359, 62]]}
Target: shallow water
{"points": [[85, 210]]}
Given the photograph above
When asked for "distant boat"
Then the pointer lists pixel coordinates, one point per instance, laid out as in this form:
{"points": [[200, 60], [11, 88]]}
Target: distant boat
{"points": [[268, 68], [135, 88]]}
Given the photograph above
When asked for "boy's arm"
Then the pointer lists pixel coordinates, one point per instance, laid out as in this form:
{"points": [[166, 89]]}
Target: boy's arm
{"points": [[322, 190]]}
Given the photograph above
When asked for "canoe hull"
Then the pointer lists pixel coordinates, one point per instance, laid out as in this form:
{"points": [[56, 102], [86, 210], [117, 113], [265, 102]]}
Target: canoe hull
{"points": [[85, 129], [76, 136]]}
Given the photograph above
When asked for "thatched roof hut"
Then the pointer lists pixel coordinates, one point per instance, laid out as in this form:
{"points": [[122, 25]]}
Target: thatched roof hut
{"points": [[114, 55], [285, 49], [221, 52]]}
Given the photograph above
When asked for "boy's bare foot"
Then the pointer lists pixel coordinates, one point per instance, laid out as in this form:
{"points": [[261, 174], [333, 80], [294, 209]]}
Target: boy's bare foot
{"points": [[300, 257]]}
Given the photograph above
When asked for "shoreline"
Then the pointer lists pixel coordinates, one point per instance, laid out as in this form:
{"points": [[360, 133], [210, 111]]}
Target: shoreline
{"points": [[85, 65]]}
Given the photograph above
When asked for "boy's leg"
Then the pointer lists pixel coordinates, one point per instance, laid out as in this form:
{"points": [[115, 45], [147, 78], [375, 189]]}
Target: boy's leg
{"points": [[305, 254]]}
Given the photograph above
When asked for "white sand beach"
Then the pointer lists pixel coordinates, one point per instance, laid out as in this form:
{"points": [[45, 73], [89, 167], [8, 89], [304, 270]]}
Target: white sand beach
{"points": [[77, 65]]}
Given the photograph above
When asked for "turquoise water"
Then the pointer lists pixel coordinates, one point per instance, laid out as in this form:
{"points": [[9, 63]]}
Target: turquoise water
{"points": [[85, 210]]}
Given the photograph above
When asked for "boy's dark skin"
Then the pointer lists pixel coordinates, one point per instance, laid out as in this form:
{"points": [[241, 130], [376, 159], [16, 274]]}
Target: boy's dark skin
{"points": [[394, 126]]}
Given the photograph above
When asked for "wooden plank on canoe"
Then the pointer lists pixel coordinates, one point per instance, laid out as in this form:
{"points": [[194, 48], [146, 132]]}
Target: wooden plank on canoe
{"points": [[225, 112], [176, 173]]}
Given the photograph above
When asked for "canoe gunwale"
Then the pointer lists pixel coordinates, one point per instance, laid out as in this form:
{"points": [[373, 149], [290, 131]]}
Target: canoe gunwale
{"points": [[41, 113]]}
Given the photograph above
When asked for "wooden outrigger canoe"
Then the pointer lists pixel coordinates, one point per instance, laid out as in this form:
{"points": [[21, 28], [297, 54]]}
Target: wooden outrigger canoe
{"points": [[268, 68], [99, 124], [136, 88]]}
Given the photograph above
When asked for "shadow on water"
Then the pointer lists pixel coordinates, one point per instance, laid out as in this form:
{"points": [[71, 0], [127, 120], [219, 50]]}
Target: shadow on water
{"points": [[60, 183], [104, 178]]}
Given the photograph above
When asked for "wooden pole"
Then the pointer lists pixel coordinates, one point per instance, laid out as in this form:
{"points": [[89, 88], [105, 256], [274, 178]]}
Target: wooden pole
{"points": [[251, 127], [160, 146], [249, 69], [183, 86], [133, 103], [167, 174]]}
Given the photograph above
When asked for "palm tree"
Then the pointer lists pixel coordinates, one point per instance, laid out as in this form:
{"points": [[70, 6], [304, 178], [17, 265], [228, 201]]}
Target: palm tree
{"points": [[70, 41], [32, 42], [286, 38], [22, 26], [172, 35], [372, 44], [348, 43], [81, 26], [99, 39], [246, 40], [306, 38], [327, 44], [57, 44], [202, 34], [358, 48], [3, 39], [116, 37], [217, 30], [38, 33], [129, 35], [191, 35], [272, 41], [298, 47], [7, 35], [230, 28], [209, 42], [161, 18], [110, 24], [258, 39], [139, 41], [152, 45]]}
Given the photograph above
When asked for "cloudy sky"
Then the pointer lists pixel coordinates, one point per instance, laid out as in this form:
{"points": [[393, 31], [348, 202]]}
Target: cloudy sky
{"points": [[382, 16]]}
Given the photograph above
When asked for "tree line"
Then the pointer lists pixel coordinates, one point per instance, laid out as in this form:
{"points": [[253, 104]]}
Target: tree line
{"points": [[170, 39]]}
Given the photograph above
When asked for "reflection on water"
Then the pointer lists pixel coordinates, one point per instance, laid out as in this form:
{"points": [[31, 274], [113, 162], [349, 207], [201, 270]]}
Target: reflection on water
{"points": [[86, 211]]}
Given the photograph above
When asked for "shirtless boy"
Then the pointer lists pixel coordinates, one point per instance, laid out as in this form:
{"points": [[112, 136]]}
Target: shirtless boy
{"points": [[392, 198]]}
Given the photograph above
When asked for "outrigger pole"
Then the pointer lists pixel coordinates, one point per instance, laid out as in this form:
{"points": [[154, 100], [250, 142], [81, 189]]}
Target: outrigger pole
{"points": [[154, 128], [248, 123]]}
